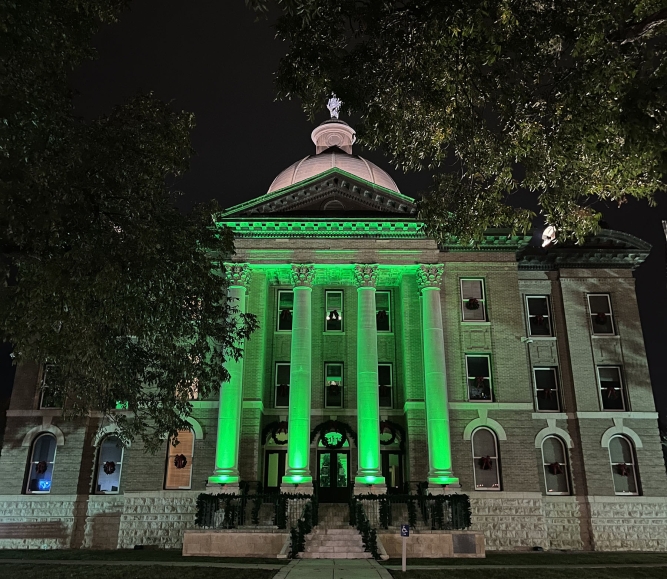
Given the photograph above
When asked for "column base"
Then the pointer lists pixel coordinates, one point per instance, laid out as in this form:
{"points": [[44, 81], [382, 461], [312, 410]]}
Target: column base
{"points": [[442, 478], [371, 478], [224, 477], [297, 477]]}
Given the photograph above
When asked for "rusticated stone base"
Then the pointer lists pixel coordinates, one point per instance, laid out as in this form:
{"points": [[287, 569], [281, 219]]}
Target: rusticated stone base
{"points": [[435, 544], [233, 543]]}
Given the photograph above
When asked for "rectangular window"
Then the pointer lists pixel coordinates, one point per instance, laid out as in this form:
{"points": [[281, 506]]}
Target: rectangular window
{"points": [[473, 300], [383, 311], [478, 367], [47, 398], [386, 386], [334, 311], [285, 310], [333, 385], [546, 389], [282, 385], [539, 316], [602, 319], [611, 388]]}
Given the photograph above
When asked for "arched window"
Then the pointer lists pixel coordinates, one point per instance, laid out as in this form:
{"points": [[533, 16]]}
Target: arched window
{"points": [[179, 461], [109, 465], [42, 460], [486, 467], [623, 466], [554, 459]]}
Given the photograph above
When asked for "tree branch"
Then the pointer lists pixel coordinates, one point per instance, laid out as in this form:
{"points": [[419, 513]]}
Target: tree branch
{"points": [[641, 29]]}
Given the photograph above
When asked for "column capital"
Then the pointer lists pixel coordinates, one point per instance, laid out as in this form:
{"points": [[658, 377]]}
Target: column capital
{"points": [[365, 274], [302, 275], [238, 274], [430, 275]]}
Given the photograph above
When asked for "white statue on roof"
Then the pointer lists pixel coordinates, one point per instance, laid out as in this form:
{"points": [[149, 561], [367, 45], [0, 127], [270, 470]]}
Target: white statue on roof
{"points": [[334, 105]]}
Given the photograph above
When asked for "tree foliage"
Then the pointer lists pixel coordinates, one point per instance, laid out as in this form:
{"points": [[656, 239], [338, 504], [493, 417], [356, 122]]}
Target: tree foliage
{"points": [[565, 99], [102, 277]]}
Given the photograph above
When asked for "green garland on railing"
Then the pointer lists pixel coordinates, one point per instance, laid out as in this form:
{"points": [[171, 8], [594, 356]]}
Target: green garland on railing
{"points": [[368, 535], [257, 505], [298, 534], [385, 512], [412, 512]]}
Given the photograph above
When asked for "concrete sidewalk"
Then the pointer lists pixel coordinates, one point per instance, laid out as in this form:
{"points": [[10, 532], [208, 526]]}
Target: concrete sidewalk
{"points": [[99, 562], [333, 569]]}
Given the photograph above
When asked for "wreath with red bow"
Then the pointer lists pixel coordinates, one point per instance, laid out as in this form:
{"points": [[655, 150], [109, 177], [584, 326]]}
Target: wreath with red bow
{"points": [[334, 388], [334, 315], [485, 463], [386, 426], [547, 393], [623, 469], [539, 320], [109, 467], [41, 467], [555, 468], [611, 392], [601, 318], [282, 427], [180, 461], [285, 316], [283, 390], [382, 316], [472, 304], [385, 390]]}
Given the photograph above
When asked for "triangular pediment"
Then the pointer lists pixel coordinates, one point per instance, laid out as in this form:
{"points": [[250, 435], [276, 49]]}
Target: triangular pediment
{"points": [[334, 193]]}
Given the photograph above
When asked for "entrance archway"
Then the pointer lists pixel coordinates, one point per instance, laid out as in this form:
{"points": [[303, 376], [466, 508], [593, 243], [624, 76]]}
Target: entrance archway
{"points": [[333, 470]]}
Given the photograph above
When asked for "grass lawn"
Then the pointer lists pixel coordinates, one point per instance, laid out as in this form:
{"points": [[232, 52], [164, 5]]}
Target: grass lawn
{"points": [[126, 555], [21, 571], [561, 573], [551, 558]]}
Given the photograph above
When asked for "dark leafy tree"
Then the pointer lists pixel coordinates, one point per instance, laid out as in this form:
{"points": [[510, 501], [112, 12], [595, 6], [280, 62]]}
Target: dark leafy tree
{"points": [[102, 277], [565, 99]]}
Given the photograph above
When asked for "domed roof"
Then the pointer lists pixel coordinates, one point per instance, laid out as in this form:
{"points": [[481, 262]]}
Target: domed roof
{"points": [[333, 145]]}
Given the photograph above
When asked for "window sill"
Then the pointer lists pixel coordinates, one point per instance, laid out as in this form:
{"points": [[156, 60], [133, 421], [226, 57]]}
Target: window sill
{"points": [[604, 335], [381, 333], [332, 333], [282, 331], [543, 338], [480, 323]]}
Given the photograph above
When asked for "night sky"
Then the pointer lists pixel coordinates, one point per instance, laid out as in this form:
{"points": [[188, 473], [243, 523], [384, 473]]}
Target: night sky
{"points": [[213, 59]]}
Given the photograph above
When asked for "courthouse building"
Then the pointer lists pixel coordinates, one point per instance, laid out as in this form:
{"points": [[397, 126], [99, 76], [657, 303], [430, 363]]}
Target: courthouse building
{"points": [[511, 373]]}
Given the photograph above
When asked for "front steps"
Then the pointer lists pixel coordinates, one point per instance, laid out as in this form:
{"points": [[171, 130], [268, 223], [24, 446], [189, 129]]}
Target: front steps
{"points": [[333, 538]]}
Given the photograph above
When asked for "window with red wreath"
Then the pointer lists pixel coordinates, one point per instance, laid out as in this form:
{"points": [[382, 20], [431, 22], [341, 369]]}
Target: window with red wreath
{"points": [[486, 468], [554, 459], [179, 461], [109, 465], [623, 466]]}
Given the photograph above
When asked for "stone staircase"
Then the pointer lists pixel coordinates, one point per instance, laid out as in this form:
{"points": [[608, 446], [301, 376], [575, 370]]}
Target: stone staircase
{"points": [[333, 538]]}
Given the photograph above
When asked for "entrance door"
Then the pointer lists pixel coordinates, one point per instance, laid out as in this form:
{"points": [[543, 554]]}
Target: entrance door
{"points": [[333, 473], [274, 470]]}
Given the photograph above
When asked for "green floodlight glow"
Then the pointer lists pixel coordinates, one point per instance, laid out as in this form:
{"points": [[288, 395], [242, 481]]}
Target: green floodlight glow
{"points": [[368, 396], [229, 411], [435, 387], [298, 439]]}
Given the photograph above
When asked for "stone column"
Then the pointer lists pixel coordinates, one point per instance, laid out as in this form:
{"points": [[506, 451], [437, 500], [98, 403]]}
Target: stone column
{"points": [[297, 471], [231, 394], [368, 397], [435, 379]]}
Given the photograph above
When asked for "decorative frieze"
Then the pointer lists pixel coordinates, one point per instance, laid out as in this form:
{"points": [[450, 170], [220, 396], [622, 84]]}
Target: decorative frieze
{"points": [[365, 275], [429, 275], [302, 275], [238, 274]]}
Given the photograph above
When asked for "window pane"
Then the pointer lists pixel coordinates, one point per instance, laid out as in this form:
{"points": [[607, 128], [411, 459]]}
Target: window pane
{"points": [[611, 390], [285, 307], [553, 450], [620, 450], [555, 478], [334, 372], [272, 477], [384, 374], [599, 304], [283, 373], [333, 387], [478, 366], [484, 443], [471, 288], [625, 483], [45, 449], [334, 301], [546, 389], [334, 311], [383, 311], [382, 301], [537, 306]]}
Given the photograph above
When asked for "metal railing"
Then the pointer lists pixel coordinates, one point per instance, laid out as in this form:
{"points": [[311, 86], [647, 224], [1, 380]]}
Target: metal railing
{"points": [[435, 512]]}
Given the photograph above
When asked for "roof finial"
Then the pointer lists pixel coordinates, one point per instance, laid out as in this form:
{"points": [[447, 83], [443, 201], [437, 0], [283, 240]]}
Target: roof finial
{"points": [[334, 105]]}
